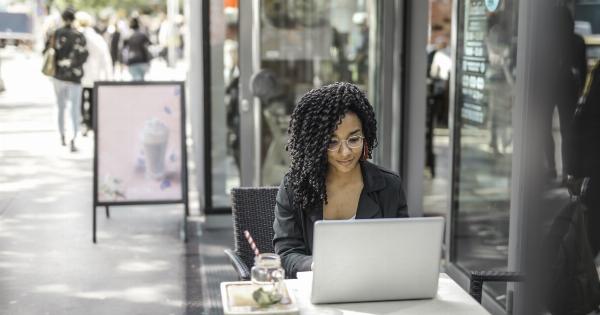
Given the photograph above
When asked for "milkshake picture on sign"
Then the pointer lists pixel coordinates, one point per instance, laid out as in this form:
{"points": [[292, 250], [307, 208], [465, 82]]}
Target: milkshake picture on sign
{"points": [[155, 137], [139, 152]]}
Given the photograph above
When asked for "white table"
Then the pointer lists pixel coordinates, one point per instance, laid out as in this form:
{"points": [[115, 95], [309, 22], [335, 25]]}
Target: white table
{"points": [[451, 299]]}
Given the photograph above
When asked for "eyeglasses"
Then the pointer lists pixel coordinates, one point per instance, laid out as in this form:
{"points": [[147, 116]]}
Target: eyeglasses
{"points": [[352, 142]]}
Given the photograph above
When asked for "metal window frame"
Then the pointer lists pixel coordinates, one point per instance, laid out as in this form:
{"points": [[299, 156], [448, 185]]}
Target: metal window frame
{"points": [[250, 107], [411, 92], [387, 108]]}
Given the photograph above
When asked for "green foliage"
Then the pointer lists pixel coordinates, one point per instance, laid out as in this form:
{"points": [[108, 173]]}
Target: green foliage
{"points": [[141, 6]]}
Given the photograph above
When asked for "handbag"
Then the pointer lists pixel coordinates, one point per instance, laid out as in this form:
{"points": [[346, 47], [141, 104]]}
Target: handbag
{"points": [[49, 64]]}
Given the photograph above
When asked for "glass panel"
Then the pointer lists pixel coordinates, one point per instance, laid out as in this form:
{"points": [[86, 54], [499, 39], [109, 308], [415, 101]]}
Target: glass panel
{"points": [[439, 65], [485, 86], [306, 44], [224, 89]]}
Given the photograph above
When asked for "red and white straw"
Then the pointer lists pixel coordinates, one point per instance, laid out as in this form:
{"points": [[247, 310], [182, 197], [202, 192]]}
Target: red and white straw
{"points": [[251, 242]]}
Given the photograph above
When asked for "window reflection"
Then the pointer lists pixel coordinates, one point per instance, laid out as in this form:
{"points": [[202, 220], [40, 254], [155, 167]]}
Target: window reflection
{"points": [[439, 66], [306, 44], [485, 85], [564, 160]]}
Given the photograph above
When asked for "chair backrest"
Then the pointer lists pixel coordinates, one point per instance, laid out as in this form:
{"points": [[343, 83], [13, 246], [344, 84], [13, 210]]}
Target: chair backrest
{"points": [[253, 209]]}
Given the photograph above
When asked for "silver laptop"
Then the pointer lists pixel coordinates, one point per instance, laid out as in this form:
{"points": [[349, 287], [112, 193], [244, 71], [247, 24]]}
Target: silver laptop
{"points": [[376, 259]]}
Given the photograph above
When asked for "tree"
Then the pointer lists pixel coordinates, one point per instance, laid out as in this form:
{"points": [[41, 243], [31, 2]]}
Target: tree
{"points": [[142, 6]]}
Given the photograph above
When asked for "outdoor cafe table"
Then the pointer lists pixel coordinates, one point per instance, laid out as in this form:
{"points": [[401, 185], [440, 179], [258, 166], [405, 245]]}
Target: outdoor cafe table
{"points": [[451, 299]]}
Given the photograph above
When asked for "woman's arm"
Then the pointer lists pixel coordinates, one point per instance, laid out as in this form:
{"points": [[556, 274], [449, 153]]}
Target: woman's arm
{"points": [[288, 240]]}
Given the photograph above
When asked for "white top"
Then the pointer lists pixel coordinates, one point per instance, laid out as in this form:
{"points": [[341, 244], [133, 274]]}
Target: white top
{"points": [[451, 299], [98, 66], [353, 217]]}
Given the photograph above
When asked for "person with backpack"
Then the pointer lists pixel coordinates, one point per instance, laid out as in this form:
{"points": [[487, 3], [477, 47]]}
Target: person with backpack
{"points": [[70, 55], [573, 242], [571, 284]]}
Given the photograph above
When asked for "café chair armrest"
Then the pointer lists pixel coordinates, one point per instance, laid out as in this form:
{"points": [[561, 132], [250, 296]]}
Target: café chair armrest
{"points": [[481, 276], [238, 265]]}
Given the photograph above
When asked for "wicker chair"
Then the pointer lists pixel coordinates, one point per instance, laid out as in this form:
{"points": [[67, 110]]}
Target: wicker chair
{"points": [[253, 209], [479, 277]]}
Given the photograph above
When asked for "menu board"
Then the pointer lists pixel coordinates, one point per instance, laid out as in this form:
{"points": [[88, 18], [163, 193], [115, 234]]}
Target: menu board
{"points": [[473, 64]]}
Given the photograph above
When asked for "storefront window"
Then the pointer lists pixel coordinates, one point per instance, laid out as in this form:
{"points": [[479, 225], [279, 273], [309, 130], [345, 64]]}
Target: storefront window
{"points": [[485, 89]]}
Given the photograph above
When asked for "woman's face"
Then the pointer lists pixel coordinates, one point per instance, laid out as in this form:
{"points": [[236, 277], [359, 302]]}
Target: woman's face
{"points": [[349, 133]]}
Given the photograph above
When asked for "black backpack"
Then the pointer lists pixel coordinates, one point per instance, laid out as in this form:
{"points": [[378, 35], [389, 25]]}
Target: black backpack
{"points": [[572, 287]]}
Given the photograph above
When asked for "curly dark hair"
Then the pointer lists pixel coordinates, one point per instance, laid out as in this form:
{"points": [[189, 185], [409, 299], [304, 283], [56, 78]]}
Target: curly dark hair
{"points": [[313, 122]]}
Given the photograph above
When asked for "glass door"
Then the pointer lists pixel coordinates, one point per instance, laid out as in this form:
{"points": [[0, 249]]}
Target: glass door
{"points": [[483, 137], [288, 48]]}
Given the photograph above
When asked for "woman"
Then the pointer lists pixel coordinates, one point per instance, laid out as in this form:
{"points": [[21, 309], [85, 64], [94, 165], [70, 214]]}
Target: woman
{"points": [[135, 52], [97, 67], [332, 134], [71, 54]]}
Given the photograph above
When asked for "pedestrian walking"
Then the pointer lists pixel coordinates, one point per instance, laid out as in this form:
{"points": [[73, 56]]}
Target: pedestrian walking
{"points": [[97, 67], [70, 55], [135, 52]]}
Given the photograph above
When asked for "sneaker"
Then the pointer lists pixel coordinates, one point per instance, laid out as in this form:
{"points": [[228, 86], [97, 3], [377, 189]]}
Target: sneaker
{"points": [[62, 141], [73, 147]]}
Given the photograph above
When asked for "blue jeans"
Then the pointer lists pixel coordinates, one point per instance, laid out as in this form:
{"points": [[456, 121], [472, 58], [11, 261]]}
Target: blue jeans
{"points": [[68, 92], [138, 71]]}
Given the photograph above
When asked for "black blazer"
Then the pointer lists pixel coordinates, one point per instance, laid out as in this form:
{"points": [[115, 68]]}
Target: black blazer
{"points": [[382, 197]]}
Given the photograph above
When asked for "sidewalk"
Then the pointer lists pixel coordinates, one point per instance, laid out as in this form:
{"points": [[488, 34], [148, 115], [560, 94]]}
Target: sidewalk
{"points": [[48, 263]]}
